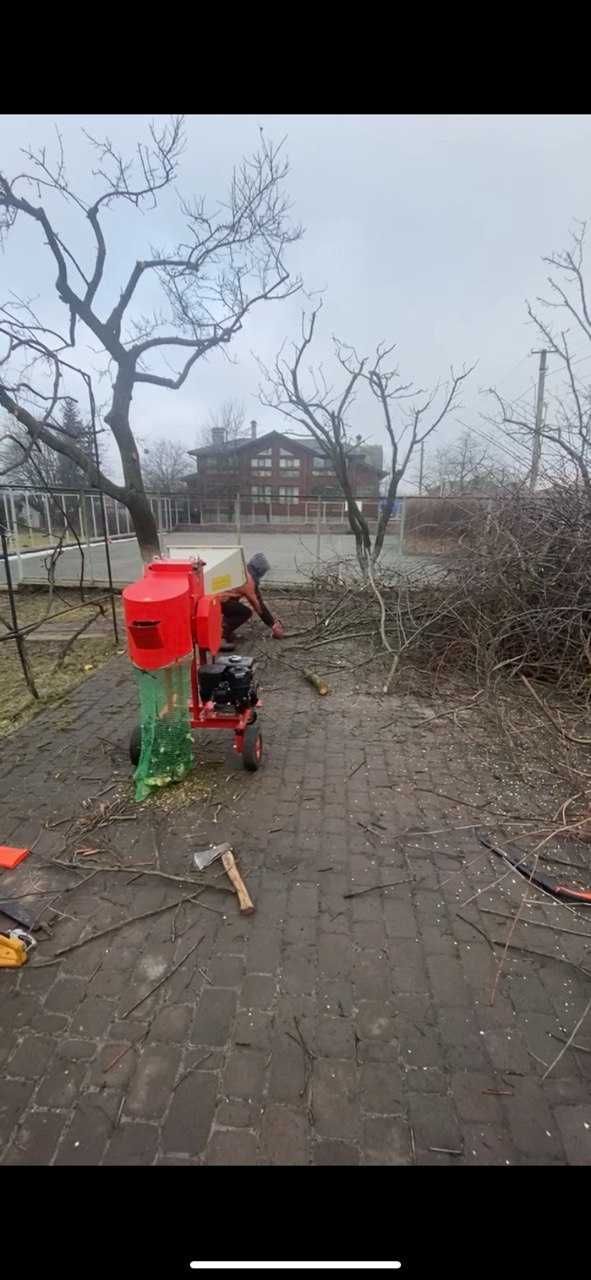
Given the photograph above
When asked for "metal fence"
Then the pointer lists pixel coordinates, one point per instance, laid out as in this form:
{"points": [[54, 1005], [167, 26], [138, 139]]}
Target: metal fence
{"points": [[441, 526], [39, 520], [247, 511]]}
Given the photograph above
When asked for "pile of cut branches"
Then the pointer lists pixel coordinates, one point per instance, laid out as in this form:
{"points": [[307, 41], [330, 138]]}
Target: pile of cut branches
{"points": [[514, 600]]}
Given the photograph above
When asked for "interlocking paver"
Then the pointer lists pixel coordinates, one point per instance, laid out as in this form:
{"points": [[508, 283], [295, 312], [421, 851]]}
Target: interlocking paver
{"points": [[188, 1123], [284, 1136], [326, 1029]]}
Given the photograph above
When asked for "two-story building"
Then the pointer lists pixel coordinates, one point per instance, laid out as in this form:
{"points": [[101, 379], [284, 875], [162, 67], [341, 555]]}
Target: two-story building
{"points": [[277, 469]]}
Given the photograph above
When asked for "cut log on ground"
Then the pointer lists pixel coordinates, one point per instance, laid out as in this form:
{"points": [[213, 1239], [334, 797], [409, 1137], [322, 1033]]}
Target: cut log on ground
{"points": [[317, 683]]}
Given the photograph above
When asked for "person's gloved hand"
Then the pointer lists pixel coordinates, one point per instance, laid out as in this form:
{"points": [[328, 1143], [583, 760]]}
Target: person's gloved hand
{"points": [[278, 630]]}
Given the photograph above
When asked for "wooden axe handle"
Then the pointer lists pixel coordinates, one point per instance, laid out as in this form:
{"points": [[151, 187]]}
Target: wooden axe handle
{"points": [[246, 904]]}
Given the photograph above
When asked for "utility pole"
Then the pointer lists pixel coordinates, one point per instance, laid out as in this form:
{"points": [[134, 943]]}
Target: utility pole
{"points": [[537, 440], [421, 465]]}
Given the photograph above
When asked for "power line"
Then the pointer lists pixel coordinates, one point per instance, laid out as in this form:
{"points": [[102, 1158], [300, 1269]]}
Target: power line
{"points": [[551, 372], [491, 440], [514, 367]]}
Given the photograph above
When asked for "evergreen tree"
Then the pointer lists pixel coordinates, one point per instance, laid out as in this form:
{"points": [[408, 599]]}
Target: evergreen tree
{"points": [[70, 475]]}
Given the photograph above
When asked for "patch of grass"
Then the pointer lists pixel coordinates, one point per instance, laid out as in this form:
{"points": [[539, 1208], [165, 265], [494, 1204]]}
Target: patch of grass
{"points": [[37, 540], [16, 704], [31, 604], [87, 654]]}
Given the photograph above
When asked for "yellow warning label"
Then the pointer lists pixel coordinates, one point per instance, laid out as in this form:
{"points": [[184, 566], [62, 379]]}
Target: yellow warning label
{"points": [[222, 582]]}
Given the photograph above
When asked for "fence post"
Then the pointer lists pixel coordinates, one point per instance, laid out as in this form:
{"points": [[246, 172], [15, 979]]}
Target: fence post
{"points": [[85, 534], [402, 523], [237, 519], [48, 518], [318, 516], [29, 521], [17, 542]]}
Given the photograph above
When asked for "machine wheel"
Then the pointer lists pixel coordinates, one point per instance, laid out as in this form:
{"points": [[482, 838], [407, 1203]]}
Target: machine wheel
{"points": [[135, 745], [252, 748]]}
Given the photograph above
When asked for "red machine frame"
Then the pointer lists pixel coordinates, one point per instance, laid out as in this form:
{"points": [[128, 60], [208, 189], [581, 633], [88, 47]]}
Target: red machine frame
{"points": [[204, 715], [169, 618]]}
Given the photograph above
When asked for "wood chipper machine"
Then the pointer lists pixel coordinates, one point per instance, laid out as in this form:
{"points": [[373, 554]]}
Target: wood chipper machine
{"points": [[173, 618]]}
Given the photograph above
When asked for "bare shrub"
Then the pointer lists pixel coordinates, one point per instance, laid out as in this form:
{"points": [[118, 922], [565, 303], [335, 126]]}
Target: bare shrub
{"points": [[439, 523], [515, 599]]}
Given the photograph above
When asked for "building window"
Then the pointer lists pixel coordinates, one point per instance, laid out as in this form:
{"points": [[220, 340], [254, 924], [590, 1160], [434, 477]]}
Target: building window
{"points": [[322, 464], [217, 462], [289, 493], [261, 491], [262, 461], [287, 462]]}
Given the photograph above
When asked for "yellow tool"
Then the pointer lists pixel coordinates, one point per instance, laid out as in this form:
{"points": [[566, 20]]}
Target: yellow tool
{"points": [[14, 948]]}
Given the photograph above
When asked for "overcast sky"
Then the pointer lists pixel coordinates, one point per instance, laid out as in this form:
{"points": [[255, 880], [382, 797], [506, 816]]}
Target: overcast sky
{"points": [[427, 231]]}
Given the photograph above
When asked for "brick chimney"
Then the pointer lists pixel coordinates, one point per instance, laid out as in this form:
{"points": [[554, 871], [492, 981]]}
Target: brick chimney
{"points": [[217, 435], [253, 430]]}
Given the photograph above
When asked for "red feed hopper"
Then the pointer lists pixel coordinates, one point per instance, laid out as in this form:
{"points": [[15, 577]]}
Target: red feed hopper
{"points": [[158, 611]]}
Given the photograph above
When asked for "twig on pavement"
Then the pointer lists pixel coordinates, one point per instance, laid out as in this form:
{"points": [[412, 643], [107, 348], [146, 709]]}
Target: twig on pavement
{"points": [[569, 1041], [164, 979], [356, 893]]}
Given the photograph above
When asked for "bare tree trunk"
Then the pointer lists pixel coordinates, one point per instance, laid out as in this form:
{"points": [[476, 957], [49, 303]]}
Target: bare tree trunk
{"points": [[358, 524], [144, 524], [145, 528], [384, 516]]}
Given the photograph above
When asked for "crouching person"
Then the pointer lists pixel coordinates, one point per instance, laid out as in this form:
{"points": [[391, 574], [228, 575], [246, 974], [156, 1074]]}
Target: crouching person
{"points": [[239, 605]]}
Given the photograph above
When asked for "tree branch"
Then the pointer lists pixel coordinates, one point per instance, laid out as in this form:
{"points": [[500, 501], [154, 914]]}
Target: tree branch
{"points": [[38, 431]]}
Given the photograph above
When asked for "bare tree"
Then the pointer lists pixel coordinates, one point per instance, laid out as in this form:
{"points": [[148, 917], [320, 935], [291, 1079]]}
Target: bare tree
{"points": [[41, 468], [325, 414], [21, 465], [566, 432], [229, 260], [229, 418], [165, 465], [465, 465]]}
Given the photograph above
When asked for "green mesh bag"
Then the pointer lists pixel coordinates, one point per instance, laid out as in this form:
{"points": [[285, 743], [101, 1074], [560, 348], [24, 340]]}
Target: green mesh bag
{"points": [[167, 741]]}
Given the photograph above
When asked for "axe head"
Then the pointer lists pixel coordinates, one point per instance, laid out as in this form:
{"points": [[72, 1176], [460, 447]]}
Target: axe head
{"points": [[203, 858]]}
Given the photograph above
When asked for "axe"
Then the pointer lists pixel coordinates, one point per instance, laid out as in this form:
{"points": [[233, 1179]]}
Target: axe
{"points": [[204, 857]]}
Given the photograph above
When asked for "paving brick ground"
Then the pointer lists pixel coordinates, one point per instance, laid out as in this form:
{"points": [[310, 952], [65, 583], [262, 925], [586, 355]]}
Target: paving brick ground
{"points": [[342, 1023]]}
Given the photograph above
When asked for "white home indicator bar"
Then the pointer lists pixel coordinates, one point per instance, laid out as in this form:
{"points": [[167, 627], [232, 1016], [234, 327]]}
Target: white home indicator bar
{"points": [[296, 1266]]}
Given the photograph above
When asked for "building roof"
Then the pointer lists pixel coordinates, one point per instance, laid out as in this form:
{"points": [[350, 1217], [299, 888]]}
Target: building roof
{"points": [[369, 456], [245, 442]]}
